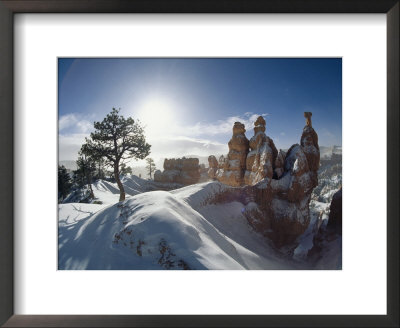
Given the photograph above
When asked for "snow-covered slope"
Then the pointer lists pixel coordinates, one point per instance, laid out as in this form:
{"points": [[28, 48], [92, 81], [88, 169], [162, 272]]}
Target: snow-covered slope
{"points": [[163, 230], [329, 179], [108, 193], [163, 226]]}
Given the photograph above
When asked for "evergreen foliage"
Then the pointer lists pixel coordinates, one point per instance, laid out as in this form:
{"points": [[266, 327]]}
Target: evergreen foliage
{"points": [[116, 139], [86, 168], [125, 170], [64, 182]]}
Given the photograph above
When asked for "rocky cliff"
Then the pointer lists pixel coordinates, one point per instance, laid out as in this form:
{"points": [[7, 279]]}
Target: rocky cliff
{"points": [[184, 171]]}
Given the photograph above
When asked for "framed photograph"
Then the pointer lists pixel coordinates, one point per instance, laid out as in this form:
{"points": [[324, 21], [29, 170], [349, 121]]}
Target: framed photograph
{"points": [[183, 164], [199, 183]]}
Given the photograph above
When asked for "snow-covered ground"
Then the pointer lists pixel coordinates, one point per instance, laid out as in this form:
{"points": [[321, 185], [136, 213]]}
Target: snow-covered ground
{"points": [[176, 228], [329, 178], [108, 193], [162, 230]]}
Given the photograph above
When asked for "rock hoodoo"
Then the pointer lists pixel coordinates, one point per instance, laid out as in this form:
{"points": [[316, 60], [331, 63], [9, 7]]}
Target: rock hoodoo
{"points": [[278, 185], [212, 167], [221, 162], [308, 115], [183, 171], [309, 144], [279, 164], [260, 160], [235, 164]]}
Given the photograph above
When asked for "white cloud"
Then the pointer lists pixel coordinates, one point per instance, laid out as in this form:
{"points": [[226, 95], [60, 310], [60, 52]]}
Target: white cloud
{"points": [[67, 121], [223, 126], [75, 122], [282, 133], [85, 126]]}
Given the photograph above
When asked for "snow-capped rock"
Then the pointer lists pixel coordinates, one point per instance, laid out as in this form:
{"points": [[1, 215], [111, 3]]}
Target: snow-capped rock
{"points": [[212, 167], [235, 165], [283, 199], [260, 160], [184, 171], [279, 164]]}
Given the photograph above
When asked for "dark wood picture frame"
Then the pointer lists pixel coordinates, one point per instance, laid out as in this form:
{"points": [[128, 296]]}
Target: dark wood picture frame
{"points": [[7, 201]]}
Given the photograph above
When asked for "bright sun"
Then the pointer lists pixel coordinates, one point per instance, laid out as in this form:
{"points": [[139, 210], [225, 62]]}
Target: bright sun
{"points": [[157, 116]]}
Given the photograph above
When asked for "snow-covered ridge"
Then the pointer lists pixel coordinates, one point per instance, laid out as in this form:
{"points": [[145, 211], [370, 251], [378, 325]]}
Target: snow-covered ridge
{"points": [[162, 230], [329, 179], [106, 192]]}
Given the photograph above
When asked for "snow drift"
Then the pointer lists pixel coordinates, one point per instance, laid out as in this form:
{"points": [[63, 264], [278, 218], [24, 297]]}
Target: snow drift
{"points": [[163, 230]]}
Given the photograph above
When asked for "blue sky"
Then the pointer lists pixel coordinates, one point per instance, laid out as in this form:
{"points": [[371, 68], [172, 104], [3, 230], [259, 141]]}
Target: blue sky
{"points": [[189, 105]]}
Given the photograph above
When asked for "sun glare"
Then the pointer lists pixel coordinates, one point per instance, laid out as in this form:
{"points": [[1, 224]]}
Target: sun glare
{"points": [[156, 115]]}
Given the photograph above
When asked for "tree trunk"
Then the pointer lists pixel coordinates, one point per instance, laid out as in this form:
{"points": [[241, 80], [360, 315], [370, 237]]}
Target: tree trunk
{"points": [[99, 172], [89, 181], [119, 183]]}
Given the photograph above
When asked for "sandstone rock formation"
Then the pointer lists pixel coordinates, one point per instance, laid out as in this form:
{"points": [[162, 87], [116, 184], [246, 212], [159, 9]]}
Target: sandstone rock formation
{"points": [[278, 185], [158, 176], [221, 162], [308, 115], [260, 160], [279, 164], [212, 167], [309, 143], [184, 171], [235, 164]]}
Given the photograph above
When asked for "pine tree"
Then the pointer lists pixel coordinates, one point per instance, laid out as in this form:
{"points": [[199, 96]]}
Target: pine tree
{"points": [[78, 178], [64, 182], [87, 167], [125, 170], [110, 176], [151, 166], [116, 139], [100, 173]]}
